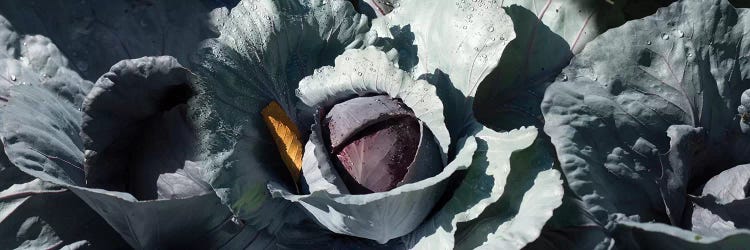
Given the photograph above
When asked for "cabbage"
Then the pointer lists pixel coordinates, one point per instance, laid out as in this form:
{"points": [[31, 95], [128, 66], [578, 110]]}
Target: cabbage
{"points": [[401, 124], [45, 132], [647, 131]]}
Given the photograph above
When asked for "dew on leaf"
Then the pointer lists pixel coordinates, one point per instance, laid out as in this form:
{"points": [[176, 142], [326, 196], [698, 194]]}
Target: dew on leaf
{"points": [[82, 66]]}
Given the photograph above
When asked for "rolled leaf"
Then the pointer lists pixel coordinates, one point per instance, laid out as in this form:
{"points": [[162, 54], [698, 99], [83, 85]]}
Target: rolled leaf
{"points": [[43, 140], [128, 147]]}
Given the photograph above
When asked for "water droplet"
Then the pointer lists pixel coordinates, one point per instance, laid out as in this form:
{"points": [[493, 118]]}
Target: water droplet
{"points": [[359, 73], [464, 27], [237, 221], [665, 36], [502, 38], [648, 42], [13, 78], [491, 29], [680, 33], [564, 77], [83, 66], [347, 58]]}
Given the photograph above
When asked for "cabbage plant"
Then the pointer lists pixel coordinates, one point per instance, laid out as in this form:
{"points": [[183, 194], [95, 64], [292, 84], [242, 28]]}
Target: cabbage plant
{"points": [[317, 67], [374, 124], [276, 133], [649, 123]]}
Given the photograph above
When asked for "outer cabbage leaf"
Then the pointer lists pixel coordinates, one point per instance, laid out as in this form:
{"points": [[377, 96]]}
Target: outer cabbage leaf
{"points": [[723, 205], [638, 235], [265, 49], [95, 35], [646, 112], [34, 59], [456, 67], [533, 191], [38, 214], [548, 35], [146, 148], [419, 32], [484, 198], [40, 129], [34, 213]]}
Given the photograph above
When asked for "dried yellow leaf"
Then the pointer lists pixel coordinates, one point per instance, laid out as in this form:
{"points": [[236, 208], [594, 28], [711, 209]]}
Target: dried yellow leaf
{"points": [[287, 137]]}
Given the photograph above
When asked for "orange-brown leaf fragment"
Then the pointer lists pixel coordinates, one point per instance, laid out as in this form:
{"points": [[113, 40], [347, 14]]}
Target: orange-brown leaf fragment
{"points": [[286, 135]]}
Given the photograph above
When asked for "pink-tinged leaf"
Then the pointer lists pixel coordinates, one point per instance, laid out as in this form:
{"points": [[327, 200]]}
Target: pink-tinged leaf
{"points": [[349, 118], [376, 140], [380, 156]]}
